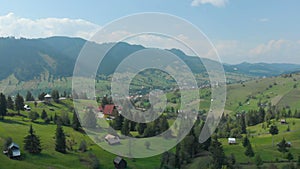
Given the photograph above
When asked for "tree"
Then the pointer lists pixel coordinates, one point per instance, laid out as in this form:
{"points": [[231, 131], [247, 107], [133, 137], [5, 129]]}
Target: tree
{"points": [[217, 152], [32, 142], [44, 114], [65, 120], [10, 103], [258, 161], [125, 128], [282, 146], [75, 122], [55, 95], [298, 162], [290, 156], [273, 130], [3, 106], [60, 140], [7, 143], [249, 151], [82, 146], [29, 96], [33, 115], [19, 103], [89, 119], [141, 128], [243, 124], [246, 141], [41, 97]]}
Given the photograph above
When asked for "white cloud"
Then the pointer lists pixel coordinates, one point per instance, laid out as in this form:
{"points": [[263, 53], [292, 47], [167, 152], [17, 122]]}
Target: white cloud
{"points": [[264, 20], [217, 3], [12, 25], [284, 51]]}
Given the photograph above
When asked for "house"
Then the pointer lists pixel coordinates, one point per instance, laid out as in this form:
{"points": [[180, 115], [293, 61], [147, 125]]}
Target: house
{"points": [[27, 108], [47, 97], [111, 139], [13, 151], [120, 163], [231, 141], [108, 110], [283, 121]]}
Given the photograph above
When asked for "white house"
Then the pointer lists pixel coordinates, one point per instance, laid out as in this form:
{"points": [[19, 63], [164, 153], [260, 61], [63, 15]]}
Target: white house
{"points": [[13, 151], [231, 141], [47, 97], [111, 139], [26, 107]]}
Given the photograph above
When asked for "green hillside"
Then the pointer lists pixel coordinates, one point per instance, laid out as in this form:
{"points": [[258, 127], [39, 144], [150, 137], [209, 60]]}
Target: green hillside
{"points": [[17, 128]]}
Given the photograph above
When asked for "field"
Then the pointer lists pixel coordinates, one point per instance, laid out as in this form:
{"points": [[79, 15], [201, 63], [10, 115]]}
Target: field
{"points": [[17, 128]]}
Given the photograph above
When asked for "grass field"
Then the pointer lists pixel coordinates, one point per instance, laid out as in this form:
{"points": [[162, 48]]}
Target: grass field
{"points": [[261, 142], [17, 128]]}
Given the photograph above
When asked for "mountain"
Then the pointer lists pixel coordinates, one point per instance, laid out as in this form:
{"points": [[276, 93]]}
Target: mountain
{"points": [[27, 59], [263, 69]]}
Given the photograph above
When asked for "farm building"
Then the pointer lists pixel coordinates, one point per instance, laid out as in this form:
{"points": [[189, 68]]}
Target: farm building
{"points": [[27, 108], [120, 163], [111, 139], [108, 110], [47, 97], [283, 121], [13, 151], [231, 141]]}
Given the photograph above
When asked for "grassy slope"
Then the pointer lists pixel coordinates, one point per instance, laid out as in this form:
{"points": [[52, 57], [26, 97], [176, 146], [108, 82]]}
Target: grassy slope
{"points": [[261, 142], [17, 128]]}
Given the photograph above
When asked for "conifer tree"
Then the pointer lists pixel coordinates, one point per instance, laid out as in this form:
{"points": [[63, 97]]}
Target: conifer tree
{"points": [[75, 122], [60, 140], [3, 106], [32, 142]]}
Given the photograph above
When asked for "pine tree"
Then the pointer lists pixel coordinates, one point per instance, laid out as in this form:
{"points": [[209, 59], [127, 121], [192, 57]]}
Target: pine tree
{"points": [[55, 95], [243, 124], [55, 118], [125, 128], [246, 141], [249, 151], [44, 114], [3, 106], [75, 122], [10, 103], [273, 131], [141, 128], [290, 156], [89, 119], [32, 142], [60, 140], [19, 103], [282, 146], [218, 154], [258, 161], [29, 96]]}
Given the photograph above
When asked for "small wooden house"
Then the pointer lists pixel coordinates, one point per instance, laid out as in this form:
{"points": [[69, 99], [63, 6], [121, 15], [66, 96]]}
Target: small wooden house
{"points": [[120, 163], [108, 110], [13, 151], [283, 121], [231, 141], [47, 97], [111, 139]]}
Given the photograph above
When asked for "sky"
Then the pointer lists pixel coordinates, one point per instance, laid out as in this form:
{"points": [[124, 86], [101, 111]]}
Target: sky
{"points": [[242, 31]]}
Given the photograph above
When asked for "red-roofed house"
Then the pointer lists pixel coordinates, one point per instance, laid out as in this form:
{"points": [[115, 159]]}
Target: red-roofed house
{"points": [[108, 110]]}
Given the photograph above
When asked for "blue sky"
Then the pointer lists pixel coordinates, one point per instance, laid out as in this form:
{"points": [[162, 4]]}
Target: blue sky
{"points": [[253, 30]]}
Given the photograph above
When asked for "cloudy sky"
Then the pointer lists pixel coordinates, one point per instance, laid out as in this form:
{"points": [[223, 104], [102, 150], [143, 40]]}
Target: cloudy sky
{"points": [[252, 31]]}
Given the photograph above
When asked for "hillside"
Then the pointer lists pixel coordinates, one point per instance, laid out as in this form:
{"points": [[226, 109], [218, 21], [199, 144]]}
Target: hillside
{"points": [[28, 59], [17, 128]]}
